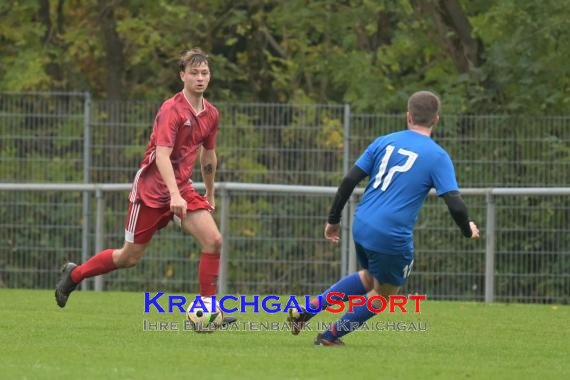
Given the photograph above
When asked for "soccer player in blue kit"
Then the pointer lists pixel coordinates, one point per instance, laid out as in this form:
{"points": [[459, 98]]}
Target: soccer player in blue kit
{"points": [[402, 168]]}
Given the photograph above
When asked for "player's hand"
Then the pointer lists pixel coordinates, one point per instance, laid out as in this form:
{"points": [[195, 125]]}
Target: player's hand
{"points": [[211, 200], [178, 205], [474, 231], [332, 233]]}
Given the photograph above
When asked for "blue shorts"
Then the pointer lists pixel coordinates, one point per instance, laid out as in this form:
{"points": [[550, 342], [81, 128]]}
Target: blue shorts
{"points": [[387, 269]]}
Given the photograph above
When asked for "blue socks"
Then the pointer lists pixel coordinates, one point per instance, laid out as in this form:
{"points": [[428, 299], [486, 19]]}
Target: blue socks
{"points": [[350, 285], [349, 322]]}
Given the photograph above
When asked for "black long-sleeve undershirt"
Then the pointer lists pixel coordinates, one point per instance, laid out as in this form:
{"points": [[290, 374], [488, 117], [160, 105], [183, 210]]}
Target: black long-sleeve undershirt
{"points": [[458, 211], [453, 200], [352, 178]]}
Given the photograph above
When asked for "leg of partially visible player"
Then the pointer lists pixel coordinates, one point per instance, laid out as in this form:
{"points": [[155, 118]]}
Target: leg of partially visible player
{"points": [[352, 321], [355, 284], [389, 273]]}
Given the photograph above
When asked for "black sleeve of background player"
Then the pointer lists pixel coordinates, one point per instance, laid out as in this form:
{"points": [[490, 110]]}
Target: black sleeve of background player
{"points": [[354, 176], [458, 211]]}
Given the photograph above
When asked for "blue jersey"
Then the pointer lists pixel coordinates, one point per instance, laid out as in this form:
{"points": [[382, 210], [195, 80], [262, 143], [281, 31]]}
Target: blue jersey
{"points": [[402, 167]]}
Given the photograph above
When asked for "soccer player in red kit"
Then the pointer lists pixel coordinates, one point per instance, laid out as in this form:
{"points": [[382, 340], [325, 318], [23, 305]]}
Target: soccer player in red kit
{"points": [[162, 188]]}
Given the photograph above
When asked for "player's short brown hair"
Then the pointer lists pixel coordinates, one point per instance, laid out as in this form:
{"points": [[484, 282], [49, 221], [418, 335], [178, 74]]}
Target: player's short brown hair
{"points": [[424, 107], [193, 57]]}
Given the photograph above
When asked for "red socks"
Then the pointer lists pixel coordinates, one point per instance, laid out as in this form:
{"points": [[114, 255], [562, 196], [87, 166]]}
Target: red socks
{"points": [[101, 263], [208, 273]]}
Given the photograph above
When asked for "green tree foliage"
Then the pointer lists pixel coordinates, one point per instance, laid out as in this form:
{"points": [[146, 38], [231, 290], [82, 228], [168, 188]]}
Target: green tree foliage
{"points": [[482, 56]]}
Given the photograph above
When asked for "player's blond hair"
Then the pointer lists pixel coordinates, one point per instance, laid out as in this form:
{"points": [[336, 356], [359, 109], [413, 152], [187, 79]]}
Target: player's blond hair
{"points": [[193, 57], [424, 107]]}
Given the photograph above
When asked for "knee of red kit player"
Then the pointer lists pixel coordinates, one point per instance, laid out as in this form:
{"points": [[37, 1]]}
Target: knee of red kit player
{"points": [[212, 244], [216, 243]]}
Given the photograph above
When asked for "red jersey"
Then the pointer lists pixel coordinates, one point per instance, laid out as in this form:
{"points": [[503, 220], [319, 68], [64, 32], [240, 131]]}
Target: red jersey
{"points": [[177, 125]]}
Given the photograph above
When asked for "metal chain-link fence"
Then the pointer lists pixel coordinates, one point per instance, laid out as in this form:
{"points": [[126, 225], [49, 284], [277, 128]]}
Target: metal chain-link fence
{"points": [[275, 239]]}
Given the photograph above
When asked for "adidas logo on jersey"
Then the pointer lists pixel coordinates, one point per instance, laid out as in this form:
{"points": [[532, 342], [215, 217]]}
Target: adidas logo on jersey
{"points": [[188, 123]]}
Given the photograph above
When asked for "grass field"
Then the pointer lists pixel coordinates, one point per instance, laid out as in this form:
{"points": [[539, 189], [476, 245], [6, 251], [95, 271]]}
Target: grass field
{"points": [[100, 335]]}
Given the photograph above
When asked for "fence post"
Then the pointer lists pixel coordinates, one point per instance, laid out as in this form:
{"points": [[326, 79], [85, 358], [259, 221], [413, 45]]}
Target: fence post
{"points": [[224, 230], [86, 179], [346, 213], [99, 232], [490, 235]]}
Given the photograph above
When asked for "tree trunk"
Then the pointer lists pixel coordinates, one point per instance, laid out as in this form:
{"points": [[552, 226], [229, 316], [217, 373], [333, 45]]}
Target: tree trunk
{"points": [[114, 54], [454, 31], [50, 43], [455, 18], [114, 81]]}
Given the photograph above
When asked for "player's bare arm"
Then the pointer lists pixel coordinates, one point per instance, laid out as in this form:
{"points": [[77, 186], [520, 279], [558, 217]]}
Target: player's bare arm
{"points": [[164, 165], [209, 163]]}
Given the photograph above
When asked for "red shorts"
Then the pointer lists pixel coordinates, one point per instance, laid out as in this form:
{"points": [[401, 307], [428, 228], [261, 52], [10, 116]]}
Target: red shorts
{"points": [[143, 221]]}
